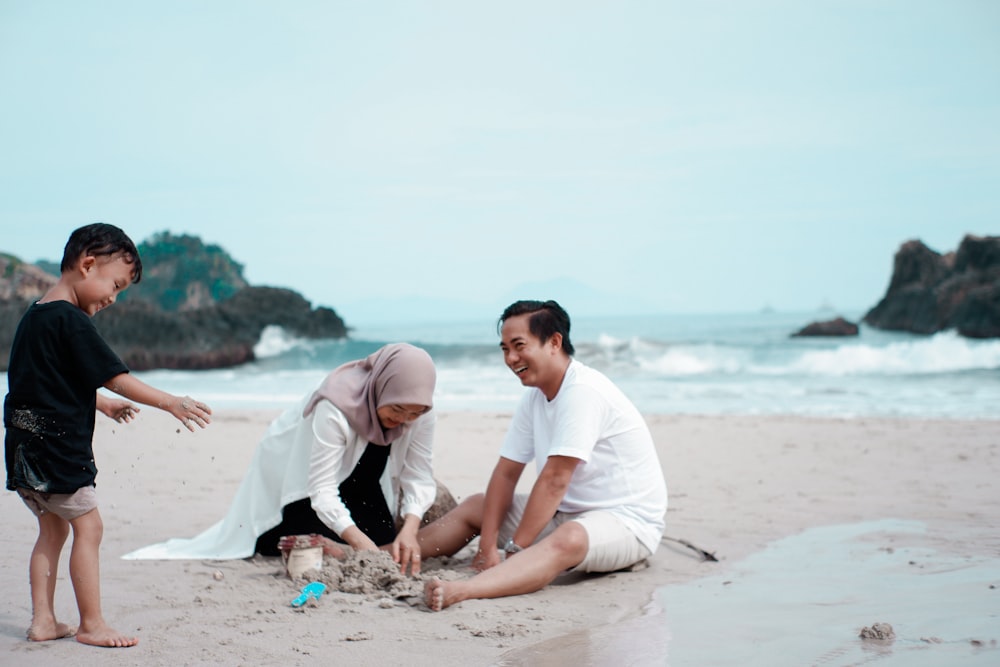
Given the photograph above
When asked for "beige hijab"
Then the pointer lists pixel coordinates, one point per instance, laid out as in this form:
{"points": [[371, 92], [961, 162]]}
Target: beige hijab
{"points": [[397, 374]]}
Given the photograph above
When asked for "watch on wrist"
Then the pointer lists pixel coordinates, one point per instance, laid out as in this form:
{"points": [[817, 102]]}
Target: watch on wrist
{"points": [[511, 547]]}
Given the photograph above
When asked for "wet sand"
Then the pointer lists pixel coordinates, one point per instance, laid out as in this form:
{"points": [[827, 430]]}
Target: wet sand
{"points": [[749, 489]]}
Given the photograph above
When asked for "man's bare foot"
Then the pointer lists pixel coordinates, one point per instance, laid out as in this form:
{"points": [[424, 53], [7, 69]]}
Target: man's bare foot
{"points": [[102, 635], [43, 632], [440, 594], [330, 548]]}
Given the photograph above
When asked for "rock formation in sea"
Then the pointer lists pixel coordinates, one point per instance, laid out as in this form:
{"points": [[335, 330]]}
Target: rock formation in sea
{"points": [[213, 336], [191, 310], [931, 292], [835, 327], [22, 281]]}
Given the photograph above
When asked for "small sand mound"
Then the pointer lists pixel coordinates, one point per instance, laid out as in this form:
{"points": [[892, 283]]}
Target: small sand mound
{"points": [[374, 574]]}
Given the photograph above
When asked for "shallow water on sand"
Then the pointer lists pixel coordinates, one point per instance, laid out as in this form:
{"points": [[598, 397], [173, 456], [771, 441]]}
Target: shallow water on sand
{"points": [[803, 601]]}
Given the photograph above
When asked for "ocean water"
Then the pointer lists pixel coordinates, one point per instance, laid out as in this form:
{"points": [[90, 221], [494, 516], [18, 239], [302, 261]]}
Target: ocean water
{"points": [[693, 364]]}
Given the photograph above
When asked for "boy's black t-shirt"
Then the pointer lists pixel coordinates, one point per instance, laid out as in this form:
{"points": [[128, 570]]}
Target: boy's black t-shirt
{"points": [[57, 362]]}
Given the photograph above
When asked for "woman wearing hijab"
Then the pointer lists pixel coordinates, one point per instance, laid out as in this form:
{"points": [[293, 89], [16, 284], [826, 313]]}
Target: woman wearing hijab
{"points": [[349, 463]]}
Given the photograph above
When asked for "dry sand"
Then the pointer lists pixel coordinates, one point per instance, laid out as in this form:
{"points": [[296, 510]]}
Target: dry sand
{"points": [[736, 485]]}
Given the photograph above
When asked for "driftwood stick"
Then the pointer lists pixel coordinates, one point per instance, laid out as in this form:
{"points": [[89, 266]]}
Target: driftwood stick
{"points": [[705, 555]]}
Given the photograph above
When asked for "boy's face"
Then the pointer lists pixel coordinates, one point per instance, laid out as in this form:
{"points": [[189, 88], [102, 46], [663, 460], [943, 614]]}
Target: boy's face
{"points": [[103, 279]]}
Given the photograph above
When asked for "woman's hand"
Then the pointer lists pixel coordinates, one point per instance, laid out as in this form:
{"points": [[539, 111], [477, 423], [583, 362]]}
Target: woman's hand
{"points": [[358, 540], [405, 549]]}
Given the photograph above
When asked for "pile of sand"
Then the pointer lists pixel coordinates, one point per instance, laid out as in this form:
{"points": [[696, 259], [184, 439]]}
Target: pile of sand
{"points": [[375, 575]]}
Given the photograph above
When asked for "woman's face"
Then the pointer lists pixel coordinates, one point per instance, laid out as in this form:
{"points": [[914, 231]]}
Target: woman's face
{"points": [[391, 416]]}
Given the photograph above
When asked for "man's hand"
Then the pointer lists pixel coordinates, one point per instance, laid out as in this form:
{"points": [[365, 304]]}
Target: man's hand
{"points": [[486, 557]]}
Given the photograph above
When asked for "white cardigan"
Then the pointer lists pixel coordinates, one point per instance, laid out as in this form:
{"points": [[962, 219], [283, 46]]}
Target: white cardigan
{"points": [[301, 457]]}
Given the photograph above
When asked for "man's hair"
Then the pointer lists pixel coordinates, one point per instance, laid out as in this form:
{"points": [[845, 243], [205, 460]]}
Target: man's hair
{"points": [[100, 239], [547, 318]]}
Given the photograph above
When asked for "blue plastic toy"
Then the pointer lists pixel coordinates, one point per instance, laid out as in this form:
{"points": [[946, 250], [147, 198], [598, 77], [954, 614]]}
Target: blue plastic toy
{"points": [[312, 591]]}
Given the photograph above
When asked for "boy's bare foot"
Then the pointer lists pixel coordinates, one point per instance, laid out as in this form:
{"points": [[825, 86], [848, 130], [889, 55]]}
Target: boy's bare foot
{"points": [[330, 548], [43, 632], [440, 594], [105, 636]]}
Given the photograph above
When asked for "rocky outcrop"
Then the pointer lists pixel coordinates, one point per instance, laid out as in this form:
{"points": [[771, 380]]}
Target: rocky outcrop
{"points": [[20, 281], [834, 327], [181, 272], [222, 335], [214, 319], [214, 337], [931, 292]]}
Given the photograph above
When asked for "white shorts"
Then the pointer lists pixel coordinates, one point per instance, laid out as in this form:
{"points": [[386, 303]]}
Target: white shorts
{"points": [[610, 545]]}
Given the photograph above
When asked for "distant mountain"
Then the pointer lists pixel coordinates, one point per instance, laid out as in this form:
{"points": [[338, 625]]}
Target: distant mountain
{"points": [[415, 309], [579, 300]]}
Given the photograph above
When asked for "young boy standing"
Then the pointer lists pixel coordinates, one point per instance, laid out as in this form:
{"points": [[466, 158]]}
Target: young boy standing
{"points": [[58, 361]]}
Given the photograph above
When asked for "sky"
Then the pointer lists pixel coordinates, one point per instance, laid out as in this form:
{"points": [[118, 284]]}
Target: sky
{"points": [[393, 158]]}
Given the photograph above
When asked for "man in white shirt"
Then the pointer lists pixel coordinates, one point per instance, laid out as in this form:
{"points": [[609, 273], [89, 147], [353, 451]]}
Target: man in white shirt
{"points": [[599, 501]]}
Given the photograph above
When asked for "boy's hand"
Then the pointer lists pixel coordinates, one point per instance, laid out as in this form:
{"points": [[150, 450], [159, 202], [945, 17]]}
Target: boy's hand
{"points": [[190, 412], [118, 409]]}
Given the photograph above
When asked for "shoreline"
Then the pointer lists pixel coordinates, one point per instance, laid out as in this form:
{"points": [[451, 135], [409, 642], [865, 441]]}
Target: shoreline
{"points": [[737, 484]]}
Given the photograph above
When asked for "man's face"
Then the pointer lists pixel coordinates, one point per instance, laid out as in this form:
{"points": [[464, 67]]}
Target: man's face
{"points": [[535, 363]]}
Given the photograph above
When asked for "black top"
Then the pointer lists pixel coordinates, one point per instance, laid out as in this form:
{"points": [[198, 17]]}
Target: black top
{"points": [[57, 362], [360, 493], [363, 482]]}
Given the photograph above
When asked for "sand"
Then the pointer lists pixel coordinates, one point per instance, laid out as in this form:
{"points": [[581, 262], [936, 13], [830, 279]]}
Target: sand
{"points": [[738, 486]]}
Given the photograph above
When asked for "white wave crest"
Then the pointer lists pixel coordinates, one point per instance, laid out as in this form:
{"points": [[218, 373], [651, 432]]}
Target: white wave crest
{"points": [[274, 341], [945, 352], [606, 341], [694, 360]]}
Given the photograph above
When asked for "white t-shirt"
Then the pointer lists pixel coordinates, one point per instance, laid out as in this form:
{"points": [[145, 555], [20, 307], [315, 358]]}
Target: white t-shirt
{"points": [[592, 420]]}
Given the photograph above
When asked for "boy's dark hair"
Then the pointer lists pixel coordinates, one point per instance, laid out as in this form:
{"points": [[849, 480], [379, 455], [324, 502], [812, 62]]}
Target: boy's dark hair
{"points": [[100, 239], [547, 318]]}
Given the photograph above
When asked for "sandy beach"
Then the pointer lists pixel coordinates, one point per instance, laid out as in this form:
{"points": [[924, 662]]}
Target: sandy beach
{"points": [[738, 486]]}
